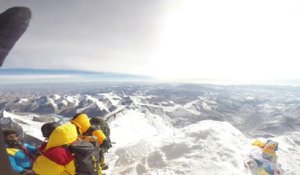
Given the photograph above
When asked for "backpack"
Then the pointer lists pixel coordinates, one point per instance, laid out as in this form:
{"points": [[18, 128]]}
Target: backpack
{"points": [[99, 123], [86, 157]]}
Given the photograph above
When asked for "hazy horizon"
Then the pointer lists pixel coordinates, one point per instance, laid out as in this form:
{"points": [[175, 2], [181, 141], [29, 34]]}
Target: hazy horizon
{"points": [[25, 76]]}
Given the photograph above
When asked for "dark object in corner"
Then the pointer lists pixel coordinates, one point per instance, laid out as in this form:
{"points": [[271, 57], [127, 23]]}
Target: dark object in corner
{"points": [[13, 23]]}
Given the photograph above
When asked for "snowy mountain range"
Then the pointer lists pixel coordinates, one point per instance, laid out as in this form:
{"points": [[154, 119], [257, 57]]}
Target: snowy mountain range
{"points": [[173, 129]]}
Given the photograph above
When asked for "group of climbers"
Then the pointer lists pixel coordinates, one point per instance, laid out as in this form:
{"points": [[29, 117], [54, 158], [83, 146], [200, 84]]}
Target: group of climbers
{"points": [[92, 134], [76, 147]]}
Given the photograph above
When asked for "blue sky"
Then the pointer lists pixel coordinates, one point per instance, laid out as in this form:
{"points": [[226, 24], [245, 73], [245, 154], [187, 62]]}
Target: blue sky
{"points": [[239, 41]]}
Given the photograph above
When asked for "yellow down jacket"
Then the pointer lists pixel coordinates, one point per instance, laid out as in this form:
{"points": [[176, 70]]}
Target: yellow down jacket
{"points": [[55, 159]]}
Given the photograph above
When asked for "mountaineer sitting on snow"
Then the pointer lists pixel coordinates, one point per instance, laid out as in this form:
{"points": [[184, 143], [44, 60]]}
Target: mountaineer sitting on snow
{"points": [[20, 155], [264, 158], [92, 134]]}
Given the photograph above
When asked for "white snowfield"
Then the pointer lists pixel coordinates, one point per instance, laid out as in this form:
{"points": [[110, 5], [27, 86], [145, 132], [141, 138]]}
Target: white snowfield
{"points": [[147, 144], [207, 147]]}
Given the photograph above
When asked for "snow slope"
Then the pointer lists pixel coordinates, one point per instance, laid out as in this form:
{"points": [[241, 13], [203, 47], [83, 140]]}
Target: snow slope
{"points": [[133, 125], [207, 147]]}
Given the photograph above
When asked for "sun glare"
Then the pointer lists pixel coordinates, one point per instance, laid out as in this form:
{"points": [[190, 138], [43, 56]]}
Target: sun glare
{"points": [[249, 41]]}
